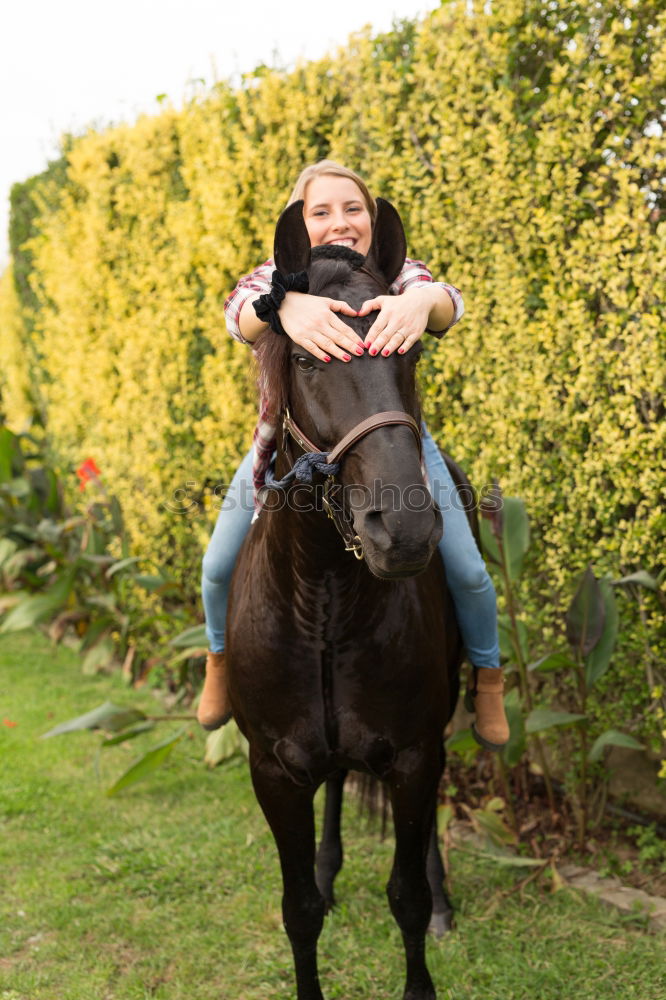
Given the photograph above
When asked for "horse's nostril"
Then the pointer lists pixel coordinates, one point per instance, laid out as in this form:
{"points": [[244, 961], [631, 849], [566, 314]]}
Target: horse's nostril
{"points": [[374, 526]]}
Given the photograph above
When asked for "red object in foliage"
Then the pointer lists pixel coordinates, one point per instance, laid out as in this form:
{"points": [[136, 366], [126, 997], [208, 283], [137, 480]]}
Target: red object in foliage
{"points": [[9, 723], [86, 471]]}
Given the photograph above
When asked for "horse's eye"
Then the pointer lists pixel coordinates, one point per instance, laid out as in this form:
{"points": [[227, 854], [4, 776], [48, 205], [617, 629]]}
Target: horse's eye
{"points": [[304, 364]]}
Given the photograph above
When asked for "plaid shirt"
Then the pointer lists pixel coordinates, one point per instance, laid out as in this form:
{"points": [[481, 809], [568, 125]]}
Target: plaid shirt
{"points": [[414, 273]]}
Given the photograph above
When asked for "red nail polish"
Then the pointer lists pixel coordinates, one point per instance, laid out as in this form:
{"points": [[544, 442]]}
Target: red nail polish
{"points": [[326, 357], [346, 357], [373, 351], [401, 350], [386, 352], [359, 351]]}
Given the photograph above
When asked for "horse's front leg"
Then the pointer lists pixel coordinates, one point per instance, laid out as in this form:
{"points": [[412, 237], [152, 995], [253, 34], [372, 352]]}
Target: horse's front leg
{"points": [[329, 855], [413, 791], [290, 814]]}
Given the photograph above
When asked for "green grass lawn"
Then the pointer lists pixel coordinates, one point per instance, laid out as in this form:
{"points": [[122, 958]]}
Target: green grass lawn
{"points": [[172, 889]]}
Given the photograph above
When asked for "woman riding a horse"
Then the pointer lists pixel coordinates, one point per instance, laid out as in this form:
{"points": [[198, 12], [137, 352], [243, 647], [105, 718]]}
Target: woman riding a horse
{"points": [[338, 210]]}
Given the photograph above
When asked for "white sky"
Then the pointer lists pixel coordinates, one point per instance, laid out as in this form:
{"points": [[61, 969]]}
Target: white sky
{"points": [[67, 64]]}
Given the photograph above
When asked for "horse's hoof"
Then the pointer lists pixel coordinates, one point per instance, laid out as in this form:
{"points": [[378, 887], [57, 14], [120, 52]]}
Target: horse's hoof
{"points": [[440, 924]]}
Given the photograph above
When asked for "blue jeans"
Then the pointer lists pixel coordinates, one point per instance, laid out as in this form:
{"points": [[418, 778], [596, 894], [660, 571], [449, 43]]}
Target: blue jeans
{"points": [[466, 574], [471, 587], [233, 524]]}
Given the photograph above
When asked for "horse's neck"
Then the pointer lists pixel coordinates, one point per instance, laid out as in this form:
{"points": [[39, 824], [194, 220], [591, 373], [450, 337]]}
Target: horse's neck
{"points": [[305, 546]]}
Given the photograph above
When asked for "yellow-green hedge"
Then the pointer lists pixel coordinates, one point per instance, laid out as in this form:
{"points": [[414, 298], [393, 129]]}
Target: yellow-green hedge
{"points": [[520, 144], [16, 403]]}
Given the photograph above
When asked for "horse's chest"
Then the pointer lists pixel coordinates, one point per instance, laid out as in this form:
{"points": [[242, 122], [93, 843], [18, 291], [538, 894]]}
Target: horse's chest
{"points": [[336, 673]]}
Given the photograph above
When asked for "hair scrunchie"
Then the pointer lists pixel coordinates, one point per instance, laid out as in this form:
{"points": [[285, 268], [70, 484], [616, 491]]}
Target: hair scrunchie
{"points": [[267, 306]]}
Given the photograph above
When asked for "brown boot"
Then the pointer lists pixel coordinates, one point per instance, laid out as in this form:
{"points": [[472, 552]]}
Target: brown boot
{"points": [[486, 699], [214, 708]]}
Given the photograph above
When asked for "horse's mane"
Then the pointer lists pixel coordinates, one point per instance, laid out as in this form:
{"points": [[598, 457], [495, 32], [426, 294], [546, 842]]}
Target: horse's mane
{"points": [[331, 269]]}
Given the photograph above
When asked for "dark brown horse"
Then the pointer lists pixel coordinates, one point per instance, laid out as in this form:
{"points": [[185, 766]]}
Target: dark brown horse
{"points": [[338, 663]]}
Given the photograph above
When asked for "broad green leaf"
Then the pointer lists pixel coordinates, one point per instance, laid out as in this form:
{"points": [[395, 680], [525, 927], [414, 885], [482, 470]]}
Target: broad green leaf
{"points": [[44, 491], [541, 719], [515, 535], [128, 734], [585, 617], [23, 558], [515, 748], [504, 632], [508, 639], [496, 805], [116, 515], [7, 548], [491, 508], [24, 530], [147, 764], [11, 599], [18, 487], [194, 636], [155, 584], [97, 560], [189, 653], [512, 523], [462, 742], [105, 601], [39, 607], [52, 503], [598, 659], [50, 530], [98, 656], [489, 542], [489, 822], [612, 738], [109, 717], [122, 564], [512, 860], [224, 743], [642, 577], [553, 661]]}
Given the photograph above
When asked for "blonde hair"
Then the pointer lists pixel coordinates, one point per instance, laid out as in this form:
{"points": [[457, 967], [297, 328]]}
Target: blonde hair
{"points": [[336, 170]]}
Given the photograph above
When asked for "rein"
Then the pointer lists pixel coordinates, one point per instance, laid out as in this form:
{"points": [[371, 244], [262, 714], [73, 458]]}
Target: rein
{"points": [[328, 464]]}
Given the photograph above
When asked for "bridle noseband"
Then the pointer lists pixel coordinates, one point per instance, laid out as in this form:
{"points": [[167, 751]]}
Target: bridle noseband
{"points": [[336, 511]]}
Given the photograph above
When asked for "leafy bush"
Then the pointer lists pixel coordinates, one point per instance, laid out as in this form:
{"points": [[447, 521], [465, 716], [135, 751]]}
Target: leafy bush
{"points": [[73, 570], [550, 694]]}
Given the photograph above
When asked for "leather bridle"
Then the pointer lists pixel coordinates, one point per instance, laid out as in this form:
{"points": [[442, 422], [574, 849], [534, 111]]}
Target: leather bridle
{"points": [[334, 510]]}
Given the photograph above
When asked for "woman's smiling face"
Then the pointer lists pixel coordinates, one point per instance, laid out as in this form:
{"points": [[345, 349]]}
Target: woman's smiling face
{"points": [[335, 212]]}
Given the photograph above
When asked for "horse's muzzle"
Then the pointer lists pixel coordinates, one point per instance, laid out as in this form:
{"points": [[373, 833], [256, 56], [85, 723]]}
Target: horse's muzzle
{"points": [[399, 542]]}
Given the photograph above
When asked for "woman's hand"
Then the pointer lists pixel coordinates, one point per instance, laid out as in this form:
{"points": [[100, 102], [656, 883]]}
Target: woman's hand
{"points": [[312, 323], [403, 318]]}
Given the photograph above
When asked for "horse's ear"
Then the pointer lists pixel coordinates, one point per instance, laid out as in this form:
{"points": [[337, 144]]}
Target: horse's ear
{"points": [[291, 251], [389, 246]]}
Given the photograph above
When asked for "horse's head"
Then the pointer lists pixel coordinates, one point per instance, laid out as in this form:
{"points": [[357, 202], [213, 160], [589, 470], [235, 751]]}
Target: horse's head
{"points": [[384, 491]]}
